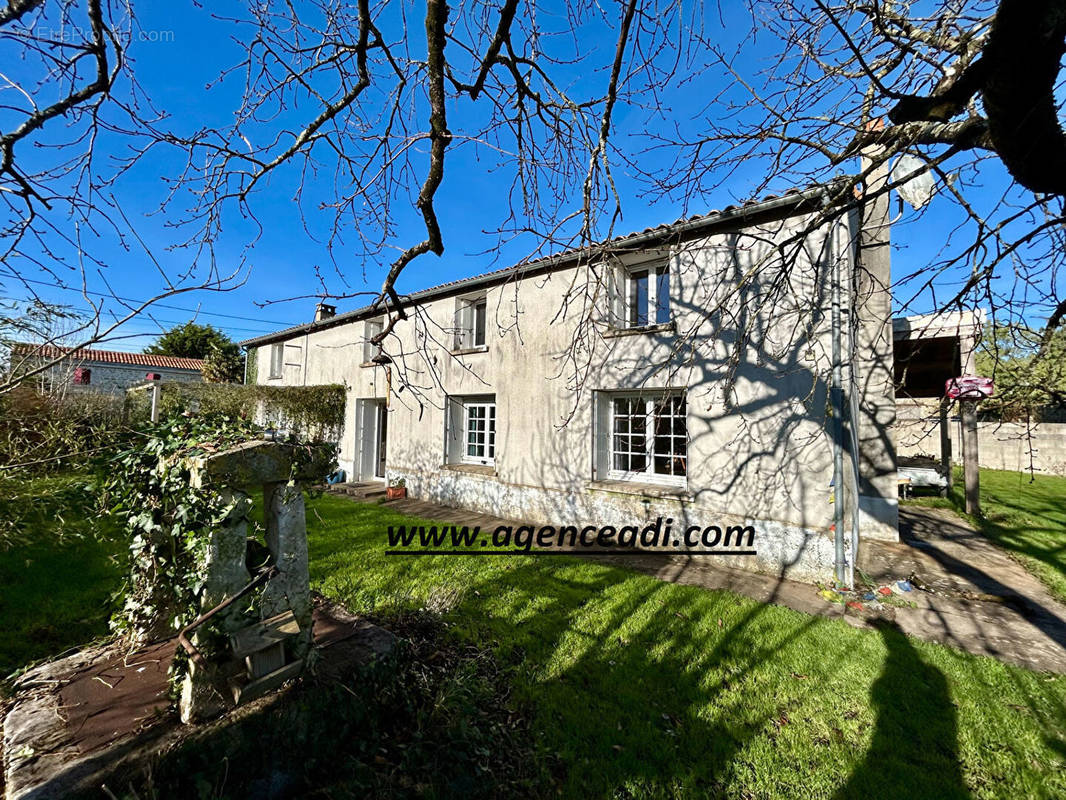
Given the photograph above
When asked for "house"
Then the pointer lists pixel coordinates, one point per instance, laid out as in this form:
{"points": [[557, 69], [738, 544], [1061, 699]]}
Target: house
{"points": [[109, 371], [685, 372]]}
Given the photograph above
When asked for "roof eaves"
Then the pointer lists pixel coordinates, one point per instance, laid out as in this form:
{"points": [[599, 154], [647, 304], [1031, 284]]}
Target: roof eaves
{"points": [[793, 201]]}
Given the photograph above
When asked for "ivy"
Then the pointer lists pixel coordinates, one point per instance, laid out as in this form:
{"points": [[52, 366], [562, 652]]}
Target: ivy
{"points": [[311, 413], [168, 520]]}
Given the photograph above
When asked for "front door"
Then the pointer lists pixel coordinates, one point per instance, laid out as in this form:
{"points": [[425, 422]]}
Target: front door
{"points": [[382, 438]]}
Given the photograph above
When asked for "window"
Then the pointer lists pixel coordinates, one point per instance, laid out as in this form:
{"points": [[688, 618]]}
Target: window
{"points": [[373, 328], [82, 376], [646, 296], [277, 358], [480, 312], [648, 438], [471, 321], [479, 432]]}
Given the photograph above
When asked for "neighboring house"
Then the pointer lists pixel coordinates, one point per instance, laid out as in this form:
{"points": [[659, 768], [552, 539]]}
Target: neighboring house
{"points": [[681, 372], [108, 371]]}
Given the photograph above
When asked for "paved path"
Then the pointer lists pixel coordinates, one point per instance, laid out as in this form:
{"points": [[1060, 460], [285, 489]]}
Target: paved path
{"points": [[974, 596]]}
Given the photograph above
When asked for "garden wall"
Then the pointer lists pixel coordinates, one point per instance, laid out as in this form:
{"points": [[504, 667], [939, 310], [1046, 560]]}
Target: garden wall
{"points": [[1001, 445]]}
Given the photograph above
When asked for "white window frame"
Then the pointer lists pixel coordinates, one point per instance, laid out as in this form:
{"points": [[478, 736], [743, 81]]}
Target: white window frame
{"points": [[648, 474], [277, 360], [371, 328], [488, 443], [467, 334], [652, 270]]}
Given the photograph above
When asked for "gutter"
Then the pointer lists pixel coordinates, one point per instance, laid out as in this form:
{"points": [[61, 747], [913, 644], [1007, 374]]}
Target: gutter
{"points": [[794, 202]]}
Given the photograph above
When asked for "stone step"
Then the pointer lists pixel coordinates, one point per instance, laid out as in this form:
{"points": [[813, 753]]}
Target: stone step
{"points": [[252, 690], [365, 490], [265, 634]]}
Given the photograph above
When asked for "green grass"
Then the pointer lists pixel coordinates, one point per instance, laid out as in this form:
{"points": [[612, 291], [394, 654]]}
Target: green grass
{"points": [[1023, 514], [59, 567], [643, 688], [637, 687]]}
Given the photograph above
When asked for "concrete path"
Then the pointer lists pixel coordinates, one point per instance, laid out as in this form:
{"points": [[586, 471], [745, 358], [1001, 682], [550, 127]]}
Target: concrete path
{"points": [[969, 593]]}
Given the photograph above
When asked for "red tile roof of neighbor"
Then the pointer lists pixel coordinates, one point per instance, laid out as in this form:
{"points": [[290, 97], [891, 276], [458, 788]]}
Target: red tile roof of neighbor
{"points": [[109, 357]]}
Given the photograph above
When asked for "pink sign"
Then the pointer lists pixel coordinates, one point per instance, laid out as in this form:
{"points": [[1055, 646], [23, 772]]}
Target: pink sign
{"points": [[969, 387]]}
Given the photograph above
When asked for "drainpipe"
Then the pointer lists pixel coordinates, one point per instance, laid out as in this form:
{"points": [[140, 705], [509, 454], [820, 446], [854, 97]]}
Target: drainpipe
{"points": [[836, 398], [853, 400]]}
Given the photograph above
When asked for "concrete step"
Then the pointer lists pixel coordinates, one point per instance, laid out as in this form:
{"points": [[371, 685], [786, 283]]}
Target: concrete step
{"points": [[363, 490]]}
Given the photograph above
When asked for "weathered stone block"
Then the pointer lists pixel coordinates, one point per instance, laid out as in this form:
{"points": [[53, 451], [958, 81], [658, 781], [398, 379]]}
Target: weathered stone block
{"points": [[259, 462], [286, 537]]}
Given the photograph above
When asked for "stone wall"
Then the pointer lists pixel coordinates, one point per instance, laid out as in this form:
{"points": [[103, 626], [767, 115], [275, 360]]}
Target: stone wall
{"points": [[782, 548], [1001, 445]]}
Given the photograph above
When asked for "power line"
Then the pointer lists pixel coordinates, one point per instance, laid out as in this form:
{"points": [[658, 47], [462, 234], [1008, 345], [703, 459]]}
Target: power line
{"points": [[145, 319], [139, 302]]}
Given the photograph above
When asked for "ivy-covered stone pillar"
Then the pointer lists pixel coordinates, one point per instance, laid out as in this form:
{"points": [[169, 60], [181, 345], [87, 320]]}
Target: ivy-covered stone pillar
{"points": [[232, 668]]}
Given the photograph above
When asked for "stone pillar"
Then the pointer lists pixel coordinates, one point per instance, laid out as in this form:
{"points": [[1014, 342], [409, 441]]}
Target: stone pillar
{"points": [[286, 537], [226, 568], [225, 574]]}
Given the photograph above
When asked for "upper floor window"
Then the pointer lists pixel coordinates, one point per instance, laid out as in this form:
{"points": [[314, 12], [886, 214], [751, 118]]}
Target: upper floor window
{"points": [[373, 328], [277, 359], [471, 322], [648, 437], [647, 296]]}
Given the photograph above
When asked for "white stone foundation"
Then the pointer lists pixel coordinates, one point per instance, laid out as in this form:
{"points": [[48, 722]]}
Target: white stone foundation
{"points": [[782, 549]]}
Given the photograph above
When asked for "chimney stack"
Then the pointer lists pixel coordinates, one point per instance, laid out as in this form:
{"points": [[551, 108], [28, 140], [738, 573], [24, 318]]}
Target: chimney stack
{"points": [[324, 311]]}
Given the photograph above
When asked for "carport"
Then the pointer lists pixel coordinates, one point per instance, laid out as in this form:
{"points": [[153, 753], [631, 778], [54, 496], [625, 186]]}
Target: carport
{"points": [[929, 350]]}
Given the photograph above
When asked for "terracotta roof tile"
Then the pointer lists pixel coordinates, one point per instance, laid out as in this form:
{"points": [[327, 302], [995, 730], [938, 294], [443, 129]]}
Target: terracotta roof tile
{"points": [[27, 350]]}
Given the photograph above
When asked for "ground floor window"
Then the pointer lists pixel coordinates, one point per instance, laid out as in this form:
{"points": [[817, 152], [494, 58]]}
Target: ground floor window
{"points": [[479, 439], [648, 437]]}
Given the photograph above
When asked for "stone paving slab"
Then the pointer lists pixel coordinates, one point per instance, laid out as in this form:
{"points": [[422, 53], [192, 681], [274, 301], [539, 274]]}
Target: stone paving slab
{"points": [[977, 598]]}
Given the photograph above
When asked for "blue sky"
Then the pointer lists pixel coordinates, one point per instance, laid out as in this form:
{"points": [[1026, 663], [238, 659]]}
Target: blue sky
{"points": [[182, 49]]}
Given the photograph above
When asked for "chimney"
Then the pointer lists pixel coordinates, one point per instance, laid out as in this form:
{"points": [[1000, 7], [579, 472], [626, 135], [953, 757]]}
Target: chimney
{"points": [[324, 311]]}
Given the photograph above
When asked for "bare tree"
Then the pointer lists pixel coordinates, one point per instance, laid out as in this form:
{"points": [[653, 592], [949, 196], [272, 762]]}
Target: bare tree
{"points": [[360, 106], [65, 85], [960, 90]]}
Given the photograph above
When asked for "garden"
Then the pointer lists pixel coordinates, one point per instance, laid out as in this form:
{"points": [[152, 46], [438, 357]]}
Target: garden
{"points": [[558, 676]]}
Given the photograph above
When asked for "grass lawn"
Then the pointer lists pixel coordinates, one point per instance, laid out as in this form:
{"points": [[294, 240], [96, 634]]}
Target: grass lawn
{"points": [[1023, 515], [643, 688], [58, 570]]}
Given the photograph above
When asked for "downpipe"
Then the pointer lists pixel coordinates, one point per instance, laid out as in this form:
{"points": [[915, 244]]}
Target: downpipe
{"points": [[836, 400]]}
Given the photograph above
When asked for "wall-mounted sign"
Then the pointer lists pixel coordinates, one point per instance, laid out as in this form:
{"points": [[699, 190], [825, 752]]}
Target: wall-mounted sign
{"points": [[969, 387]]}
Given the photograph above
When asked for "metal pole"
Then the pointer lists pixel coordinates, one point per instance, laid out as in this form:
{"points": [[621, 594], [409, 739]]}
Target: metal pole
{"points": [[836, 396], [155, 402], [945, 443]]}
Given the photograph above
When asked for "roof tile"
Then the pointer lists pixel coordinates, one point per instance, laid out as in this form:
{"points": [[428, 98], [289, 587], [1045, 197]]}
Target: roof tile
{"points": [[108, 357]]}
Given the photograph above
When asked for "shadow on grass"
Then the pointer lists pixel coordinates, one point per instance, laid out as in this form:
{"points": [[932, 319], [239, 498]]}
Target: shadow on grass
{"points": [[57, 577], [1023, 514], [643, 688], [914, 751]]}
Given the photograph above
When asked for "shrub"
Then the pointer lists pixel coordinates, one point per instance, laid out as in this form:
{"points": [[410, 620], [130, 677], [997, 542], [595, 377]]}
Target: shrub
{"points": [[310, 413], [41, 432]]}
